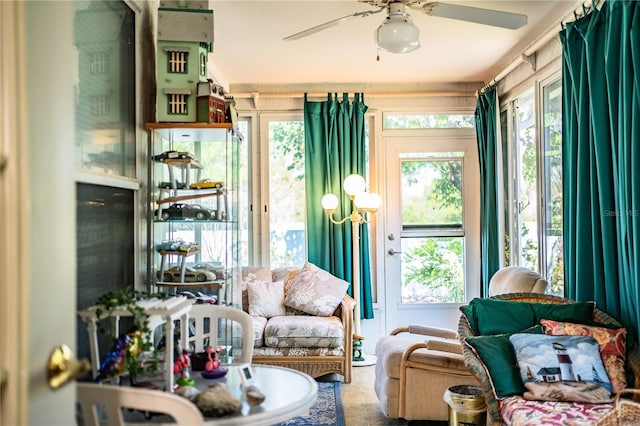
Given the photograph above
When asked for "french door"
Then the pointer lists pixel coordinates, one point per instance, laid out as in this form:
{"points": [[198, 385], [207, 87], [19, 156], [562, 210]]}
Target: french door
{"points": [[431, 243]]}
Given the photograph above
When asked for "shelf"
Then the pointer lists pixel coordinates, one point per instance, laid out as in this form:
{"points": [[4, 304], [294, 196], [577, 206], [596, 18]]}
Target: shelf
{"points": [[182, 163], [150, 126], [207, 284], [189, 197], [178, 253]]}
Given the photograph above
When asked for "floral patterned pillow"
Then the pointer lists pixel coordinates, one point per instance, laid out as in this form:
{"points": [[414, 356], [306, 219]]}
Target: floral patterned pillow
{"points": [[266, 298], [611, 342], [251, 274], [315, 291]]}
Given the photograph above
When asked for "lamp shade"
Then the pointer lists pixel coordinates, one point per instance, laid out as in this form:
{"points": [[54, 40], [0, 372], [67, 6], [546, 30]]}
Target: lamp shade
{"points": [[329, 203], [354, 185], [367, 201], [397, 34]]}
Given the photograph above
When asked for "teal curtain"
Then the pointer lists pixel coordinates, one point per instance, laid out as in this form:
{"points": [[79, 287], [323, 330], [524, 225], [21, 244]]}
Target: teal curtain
{"points": [[601, 159], [334, 132], [486, 116]]}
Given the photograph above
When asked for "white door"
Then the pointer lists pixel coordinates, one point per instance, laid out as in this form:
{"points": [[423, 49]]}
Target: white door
{"points": [[37, 199], [431, 243]]}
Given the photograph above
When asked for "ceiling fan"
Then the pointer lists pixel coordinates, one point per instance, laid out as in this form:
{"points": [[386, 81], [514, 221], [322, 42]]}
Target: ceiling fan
{"points": [[398, 34]]}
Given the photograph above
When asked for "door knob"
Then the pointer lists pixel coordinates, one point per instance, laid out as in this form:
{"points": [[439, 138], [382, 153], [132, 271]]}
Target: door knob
{"points": [[393, 252], [63, 367]]}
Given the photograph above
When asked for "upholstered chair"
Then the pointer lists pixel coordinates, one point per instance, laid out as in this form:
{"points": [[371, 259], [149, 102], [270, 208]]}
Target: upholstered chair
{"points": [[516, 279]]}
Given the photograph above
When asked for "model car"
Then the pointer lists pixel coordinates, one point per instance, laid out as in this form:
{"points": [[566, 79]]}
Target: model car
{"points": [[190, 275], [169, 245], [206, 183], [216, 268], [173, 155], [185, 211], [168, 185], [188, 248]]}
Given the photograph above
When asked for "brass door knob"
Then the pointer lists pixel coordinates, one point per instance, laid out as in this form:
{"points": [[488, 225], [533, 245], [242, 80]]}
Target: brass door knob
{"points": [[64, 368]]}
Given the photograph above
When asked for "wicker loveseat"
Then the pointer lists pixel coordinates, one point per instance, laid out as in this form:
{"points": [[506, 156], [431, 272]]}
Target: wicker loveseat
{"points": [[514, 409], [316, 344]]}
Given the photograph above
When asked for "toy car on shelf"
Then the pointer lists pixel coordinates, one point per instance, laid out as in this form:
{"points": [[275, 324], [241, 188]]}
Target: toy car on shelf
{"points": [[216, 268], [185, 211], [190, 275], [168, 185], [188, 248], [169, 245], [173, 155], [206, 183]]}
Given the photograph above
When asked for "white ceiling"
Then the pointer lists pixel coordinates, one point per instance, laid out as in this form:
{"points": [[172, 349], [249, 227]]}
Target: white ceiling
{"points": [[249, 45]]}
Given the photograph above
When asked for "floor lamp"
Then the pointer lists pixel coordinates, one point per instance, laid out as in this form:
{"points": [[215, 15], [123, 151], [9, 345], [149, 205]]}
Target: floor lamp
{"points": [[362, 203]]}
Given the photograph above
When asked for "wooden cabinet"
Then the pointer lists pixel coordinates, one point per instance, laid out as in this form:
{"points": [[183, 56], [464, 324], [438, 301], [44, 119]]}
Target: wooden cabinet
{"points": [[193, 208]]}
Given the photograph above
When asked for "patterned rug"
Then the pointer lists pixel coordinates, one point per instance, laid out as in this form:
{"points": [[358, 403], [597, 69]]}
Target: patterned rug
{"points": [[327, 410]]}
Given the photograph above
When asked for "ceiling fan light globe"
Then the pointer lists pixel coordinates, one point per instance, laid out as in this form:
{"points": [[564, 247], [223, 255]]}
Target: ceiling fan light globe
{"points": [[398, 35]]}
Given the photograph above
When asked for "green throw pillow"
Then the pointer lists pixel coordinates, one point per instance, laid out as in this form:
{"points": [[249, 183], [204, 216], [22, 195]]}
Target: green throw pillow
{"points": [[499, 360], [492, 316]]}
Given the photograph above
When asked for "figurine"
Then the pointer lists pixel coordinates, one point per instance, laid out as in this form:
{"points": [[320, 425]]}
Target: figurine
{"points": [[214, 360], [181, 365]]}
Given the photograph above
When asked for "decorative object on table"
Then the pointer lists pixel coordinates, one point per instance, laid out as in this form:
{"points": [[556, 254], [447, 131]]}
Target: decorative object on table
{"points": [[189, 392], [364, 204], [212, 369], [181, 366], [217, 401], [126, 351], [253, 395]]}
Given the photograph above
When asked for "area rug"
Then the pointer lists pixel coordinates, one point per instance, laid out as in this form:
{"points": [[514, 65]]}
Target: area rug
{"points": [[327, 410]]}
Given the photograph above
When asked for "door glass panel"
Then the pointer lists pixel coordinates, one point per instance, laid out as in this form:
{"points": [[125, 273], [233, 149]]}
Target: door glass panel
{"points": [[286, 194], [552, 140], [432, 241]]}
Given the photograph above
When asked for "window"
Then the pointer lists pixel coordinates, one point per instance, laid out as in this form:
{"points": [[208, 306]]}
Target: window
{"points": [[177, 62], [428, 121], [99, 63], [178, 103], [532, 166], [99, 104]]}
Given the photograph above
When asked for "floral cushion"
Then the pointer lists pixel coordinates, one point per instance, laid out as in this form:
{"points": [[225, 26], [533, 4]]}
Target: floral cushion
{"points": [[315, 291], [250, 274], [258, 330], [547, 360], [611, 341], [517, 411], [303, 331], [266, 298], [296, 351]]}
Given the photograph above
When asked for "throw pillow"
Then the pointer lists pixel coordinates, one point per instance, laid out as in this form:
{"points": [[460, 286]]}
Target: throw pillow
{"points": [[250, 274], [545, 359], [499, 362], [266, 298], [492, 316], [315, 291], [611, 342]]}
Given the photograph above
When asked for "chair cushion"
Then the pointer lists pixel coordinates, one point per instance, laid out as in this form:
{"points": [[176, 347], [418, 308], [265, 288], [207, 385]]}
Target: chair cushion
{"points": [[303, 331], [515, 410], [250, 274]]}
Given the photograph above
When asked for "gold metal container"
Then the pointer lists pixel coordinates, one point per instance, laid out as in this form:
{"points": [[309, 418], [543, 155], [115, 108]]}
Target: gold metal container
{"points": [[466, 406]]}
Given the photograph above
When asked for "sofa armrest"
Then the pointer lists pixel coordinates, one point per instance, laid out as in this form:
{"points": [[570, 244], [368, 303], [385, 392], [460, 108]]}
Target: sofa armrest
{"points": [[453, 347], [444, 333]]}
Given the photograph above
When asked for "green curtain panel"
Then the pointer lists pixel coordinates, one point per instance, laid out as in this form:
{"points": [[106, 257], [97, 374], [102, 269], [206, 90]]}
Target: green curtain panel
{"points": [[601, 159], [486, 115], [334, 132]]}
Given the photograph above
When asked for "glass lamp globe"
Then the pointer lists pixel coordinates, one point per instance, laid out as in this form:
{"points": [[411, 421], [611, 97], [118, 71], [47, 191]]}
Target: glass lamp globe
{"points": [[329, 203], [354, 185]]}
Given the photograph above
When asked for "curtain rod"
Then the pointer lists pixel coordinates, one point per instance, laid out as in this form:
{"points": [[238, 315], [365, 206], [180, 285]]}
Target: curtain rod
{"points": [[547, 36], [417, 94]]}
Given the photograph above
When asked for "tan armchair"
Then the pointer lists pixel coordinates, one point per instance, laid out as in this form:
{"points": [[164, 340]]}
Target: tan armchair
{"points": [[416, 365], [516, 279]]}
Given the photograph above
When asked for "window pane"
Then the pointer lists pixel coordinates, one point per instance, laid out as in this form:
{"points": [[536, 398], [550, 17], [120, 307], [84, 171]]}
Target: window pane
{"points": [[527, 181], [504, 134], [428, 121], [286, 194], [552, 107], [244, 199], [432, 270], [104, 34], [432, 193]]}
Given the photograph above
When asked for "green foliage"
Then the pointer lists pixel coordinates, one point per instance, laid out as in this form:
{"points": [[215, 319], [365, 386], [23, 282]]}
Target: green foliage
{"points": [[437, 265], [127, 299]]}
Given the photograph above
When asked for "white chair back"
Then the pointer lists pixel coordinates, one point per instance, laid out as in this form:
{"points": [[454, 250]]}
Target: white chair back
{"points": [[200, 312], [100, 401]]}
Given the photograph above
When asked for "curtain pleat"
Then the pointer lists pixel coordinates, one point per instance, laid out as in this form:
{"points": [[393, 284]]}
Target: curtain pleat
{"points": [[601, 159], [487, 135], [335, 148]]}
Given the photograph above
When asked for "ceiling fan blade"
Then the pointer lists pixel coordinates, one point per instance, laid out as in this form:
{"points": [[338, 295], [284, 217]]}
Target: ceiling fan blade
{"points": [[330, 24], [495, 18]]}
